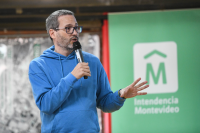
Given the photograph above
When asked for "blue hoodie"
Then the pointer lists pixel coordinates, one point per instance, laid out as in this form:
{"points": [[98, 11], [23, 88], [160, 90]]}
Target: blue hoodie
{"points": [[68, 105]]}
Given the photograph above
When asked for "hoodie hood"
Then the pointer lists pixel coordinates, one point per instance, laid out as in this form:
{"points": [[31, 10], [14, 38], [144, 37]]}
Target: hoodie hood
{"points": [[50, 53]]}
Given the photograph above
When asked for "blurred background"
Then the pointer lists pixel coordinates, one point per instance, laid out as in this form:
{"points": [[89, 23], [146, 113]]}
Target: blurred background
{"points": [[106, 24], [22, 17]]}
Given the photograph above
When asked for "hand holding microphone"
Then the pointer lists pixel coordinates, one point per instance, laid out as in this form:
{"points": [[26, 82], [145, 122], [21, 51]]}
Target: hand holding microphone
{"points": [[82, 69]]}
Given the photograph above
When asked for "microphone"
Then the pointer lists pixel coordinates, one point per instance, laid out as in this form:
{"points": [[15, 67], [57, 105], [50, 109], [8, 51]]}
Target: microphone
{"points": [[78, 51]]}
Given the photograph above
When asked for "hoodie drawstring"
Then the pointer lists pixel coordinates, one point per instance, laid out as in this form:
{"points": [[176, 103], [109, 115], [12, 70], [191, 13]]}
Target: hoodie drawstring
{"points": [[61, 67]]}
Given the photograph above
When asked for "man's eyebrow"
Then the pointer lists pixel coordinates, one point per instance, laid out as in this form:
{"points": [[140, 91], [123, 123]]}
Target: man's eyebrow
{"points": [[76, 24]]}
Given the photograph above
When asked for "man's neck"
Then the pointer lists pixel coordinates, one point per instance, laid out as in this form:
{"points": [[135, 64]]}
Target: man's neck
{"points": [[62, 51]]}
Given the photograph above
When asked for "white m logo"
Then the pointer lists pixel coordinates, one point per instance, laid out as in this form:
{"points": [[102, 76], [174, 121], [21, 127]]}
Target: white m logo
{"points": [[156, 63]]}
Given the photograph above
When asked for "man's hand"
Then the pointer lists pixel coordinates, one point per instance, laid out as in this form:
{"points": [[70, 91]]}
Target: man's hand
{"points": [[81, 69], [132, 90]]}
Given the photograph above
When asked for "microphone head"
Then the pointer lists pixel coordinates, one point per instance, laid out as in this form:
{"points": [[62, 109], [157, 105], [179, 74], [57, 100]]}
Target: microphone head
{"points": [[76, 45]]}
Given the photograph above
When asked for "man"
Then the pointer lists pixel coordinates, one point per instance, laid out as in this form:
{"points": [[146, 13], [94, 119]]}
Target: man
{"points": [[66, 100]]}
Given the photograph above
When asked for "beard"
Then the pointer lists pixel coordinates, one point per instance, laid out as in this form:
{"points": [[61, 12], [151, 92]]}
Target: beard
{"points": [[64, 43]]}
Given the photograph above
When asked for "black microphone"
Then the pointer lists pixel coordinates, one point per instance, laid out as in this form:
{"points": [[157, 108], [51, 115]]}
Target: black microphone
{"points": [[78, 51]]}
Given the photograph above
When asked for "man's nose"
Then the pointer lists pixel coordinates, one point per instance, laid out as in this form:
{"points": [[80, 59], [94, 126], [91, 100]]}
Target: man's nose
{"points": [[74, 32]]}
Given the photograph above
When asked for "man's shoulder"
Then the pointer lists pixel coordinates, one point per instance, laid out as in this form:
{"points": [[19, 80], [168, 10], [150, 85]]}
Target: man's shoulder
{"points": [[36, 60]]}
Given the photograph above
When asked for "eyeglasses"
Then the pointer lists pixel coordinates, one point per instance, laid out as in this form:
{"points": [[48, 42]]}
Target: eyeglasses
{"points": [[70, 30]]}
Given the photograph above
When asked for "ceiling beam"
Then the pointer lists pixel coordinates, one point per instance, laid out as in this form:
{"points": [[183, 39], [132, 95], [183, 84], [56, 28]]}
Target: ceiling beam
{"points": [[96, 24], [85, 3]]}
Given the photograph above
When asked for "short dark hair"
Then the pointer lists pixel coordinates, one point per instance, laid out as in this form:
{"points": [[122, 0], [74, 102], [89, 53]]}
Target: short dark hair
{"points": [[52, 20]]}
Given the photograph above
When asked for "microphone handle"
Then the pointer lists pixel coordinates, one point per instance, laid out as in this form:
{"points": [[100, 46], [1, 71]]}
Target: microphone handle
{"points": [[79, 56]]}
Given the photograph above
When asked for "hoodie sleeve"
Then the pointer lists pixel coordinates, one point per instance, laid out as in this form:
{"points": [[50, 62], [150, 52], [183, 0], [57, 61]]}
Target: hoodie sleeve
{"points": [[107, 101], [48, 97]]}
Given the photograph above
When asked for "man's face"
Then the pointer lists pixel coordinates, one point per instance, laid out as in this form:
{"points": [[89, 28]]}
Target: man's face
{"points": [[64, 39]]}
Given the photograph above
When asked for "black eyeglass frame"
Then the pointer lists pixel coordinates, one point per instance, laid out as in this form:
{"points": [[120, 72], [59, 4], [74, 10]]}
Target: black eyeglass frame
{"points": [[76, 27]]}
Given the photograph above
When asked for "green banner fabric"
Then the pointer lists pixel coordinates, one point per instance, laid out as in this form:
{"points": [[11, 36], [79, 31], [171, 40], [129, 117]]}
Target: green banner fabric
{"points": [[162, 47]]}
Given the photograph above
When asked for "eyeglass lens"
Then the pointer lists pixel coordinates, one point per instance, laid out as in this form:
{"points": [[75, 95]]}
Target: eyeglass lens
{"points": [[70, 30]]}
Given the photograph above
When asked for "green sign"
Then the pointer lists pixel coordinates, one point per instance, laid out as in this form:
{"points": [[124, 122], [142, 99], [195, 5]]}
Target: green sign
{"points": [[161, 47]]}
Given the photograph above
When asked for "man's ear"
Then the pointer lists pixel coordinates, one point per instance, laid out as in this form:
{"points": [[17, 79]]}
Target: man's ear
{"points": [[52, 33]]}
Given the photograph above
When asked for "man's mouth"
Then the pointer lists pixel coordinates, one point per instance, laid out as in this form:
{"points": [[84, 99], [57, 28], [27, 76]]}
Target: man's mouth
{"points": [[74, 39]]}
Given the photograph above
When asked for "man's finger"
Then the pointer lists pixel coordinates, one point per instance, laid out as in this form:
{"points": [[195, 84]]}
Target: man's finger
{"points": [[86, 70], [135, 82], [84, 63], [87, 74], [86, 67], [142, 88], [142, 93], [141, 84]]}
